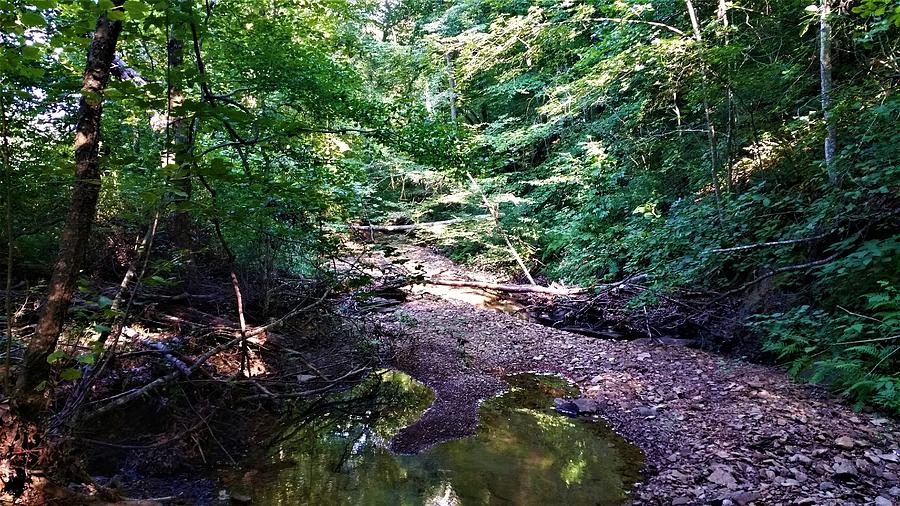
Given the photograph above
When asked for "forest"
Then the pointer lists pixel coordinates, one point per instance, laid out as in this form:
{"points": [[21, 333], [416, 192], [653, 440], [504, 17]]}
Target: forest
{"points": [[450, 252]]}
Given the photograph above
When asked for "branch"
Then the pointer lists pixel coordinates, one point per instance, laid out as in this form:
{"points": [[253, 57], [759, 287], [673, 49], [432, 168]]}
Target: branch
{"points": [[500, 287], [414, 226], [780, 270], [126, 397], [768, 244]]}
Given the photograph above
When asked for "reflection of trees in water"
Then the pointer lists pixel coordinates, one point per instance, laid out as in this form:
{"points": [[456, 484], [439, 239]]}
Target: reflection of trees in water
{"points": [[523, 452]]}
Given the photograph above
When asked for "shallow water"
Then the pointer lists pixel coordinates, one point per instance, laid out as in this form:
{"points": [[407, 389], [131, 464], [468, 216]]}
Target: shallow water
{"points": [[524, 453]]}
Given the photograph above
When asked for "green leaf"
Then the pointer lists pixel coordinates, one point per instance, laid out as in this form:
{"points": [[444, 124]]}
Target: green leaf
{"points": [[136, 9], [55, 357], [31, 19], [69, 374], [87, 358], [104, 301]]}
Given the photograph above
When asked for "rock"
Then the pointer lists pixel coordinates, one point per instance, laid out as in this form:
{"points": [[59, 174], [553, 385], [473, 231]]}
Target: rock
{"points": [[681, 501], [825, 486], [803, 459], [722, 476], [565, 406], [586, 406], [745, 498], [241, 499], [680, 476], [844, 469], [845, 442], [883, 501], [646, 411], [894, 491], [890, 457], [576, 407]]}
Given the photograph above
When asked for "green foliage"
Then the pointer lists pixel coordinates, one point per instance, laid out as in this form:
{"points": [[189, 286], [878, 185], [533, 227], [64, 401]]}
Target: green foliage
{"points": [[854, 352]]}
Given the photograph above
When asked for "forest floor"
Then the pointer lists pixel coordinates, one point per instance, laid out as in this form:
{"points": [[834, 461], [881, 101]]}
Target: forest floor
{"points": [[714, 429]]}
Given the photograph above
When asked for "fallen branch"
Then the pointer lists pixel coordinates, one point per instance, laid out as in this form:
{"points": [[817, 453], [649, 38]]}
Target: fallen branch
{"points": [[501, 287], [414, 226], [769, 244], [780, 270], [126, 397]]}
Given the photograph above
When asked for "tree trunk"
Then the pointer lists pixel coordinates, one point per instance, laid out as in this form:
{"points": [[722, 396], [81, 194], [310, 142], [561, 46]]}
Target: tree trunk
{"points": [[710, 127], [825, 75], [452, 82], [177, 136], [10, 241], [82, 209]]}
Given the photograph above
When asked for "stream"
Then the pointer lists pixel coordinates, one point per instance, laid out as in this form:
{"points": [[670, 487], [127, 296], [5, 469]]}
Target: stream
{"points": [[523, 453]]}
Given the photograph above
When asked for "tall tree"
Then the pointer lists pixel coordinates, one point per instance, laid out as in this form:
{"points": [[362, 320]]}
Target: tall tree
{"points": [[81, 213], [825, 80]]}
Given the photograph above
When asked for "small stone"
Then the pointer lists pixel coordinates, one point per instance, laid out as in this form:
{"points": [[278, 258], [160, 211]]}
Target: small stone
{"points": [[805, 501], [646, 411], [680, 476], [537, 357], [745, 498], [722, 476], [586, 406], [883, 501], [240, 498], [803, 459], [800, 476], [727, 502], [825, 486], [894, 491], [845, 442], [890, 456], [844, 469], [681, 501]]}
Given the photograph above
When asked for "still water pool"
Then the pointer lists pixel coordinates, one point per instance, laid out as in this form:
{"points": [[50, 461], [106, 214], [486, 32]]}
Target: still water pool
{"points": [[524, 453]]}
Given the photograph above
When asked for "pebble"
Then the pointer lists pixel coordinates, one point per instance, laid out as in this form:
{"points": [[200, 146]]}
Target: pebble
{"points": [[845, 442], [883, 501]]}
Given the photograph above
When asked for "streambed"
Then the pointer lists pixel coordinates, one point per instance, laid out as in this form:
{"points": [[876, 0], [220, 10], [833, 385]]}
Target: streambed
{"points": [[523, 453]]}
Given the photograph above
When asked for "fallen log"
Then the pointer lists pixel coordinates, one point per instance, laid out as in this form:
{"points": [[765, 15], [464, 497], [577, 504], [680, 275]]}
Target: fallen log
{"points": [[414, 226], [501, 287], [548, 290]]}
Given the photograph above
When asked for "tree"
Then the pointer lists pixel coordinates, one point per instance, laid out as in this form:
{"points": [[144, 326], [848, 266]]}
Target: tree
{"points": [[82, 209], [825, 79]]}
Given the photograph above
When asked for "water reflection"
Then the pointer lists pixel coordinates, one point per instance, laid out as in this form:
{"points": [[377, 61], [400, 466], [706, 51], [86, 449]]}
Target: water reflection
{"points": [[523, 454]]}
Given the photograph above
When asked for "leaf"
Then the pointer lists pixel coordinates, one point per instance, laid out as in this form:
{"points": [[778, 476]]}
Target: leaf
{"points": [[87, 358], [69, 374], [136, 9], [55, 357], [104, 301], [31, 19]]}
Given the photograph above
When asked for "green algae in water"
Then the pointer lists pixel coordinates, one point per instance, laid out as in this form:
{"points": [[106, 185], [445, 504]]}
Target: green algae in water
{"points": [[523, 453]]}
